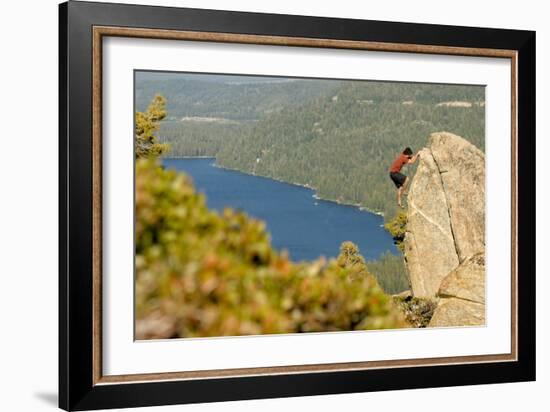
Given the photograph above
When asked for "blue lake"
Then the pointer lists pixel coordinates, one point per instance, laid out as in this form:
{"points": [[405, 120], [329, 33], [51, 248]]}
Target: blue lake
{"points": [[306, 227]]}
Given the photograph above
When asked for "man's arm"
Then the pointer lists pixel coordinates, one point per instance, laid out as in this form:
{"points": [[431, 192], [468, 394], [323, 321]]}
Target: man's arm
{"points": [[413, 159]]}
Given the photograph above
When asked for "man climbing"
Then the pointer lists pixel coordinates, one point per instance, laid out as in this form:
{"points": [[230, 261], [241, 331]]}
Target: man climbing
{"points": [[401, 181]]}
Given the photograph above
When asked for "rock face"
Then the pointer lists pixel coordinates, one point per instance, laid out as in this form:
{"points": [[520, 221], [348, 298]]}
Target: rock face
{"points": [[462, 295], [429, 243], [445, 239], [457, 312], [462, 169], [467, 281]]}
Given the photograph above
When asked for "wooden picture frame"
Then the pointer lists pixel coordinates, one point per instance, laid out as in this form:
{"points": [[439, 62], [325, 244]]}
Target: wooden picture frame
{"points": [[83, 26]]}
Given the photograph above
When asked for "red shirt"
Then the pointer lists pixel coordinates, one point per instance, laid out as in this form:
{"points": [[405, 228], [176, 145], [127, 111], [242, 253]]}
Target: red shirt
{"points": [[399, 162]]}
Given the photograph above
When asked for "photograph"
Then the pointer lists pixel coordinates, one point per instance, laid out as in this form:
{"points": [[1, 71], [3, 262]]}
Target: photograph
{"points": [[284, 205], [263, 205]]}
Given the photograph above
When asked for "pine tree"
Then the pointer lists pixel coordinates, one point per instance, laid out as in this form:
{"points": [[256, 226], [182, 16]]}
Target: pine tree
{"points": [[147, 123]]}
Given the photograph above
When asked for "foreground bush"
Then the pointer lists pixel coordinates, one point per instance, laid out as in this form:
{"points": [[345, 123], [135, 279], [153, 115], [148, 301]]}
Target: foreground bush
{"points": [[200, 273]]}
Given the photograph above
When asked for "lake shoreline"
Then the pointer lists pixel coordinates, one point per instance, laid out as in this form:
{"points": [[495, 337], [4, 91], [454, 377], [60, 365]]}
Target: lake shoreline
{"points": [[315, 195]]}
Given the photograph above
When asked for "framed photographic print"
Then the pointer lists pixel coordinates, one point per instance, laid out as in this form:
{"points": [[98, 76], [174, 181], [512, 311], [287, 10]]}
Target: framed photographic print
{"points": [[256, 205]]}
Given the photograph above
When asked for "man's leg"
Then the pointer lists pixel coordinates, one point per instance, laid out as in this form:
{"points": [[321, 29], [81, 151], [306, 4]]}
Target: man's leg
{"points": [[404, 187], [399, 191]]}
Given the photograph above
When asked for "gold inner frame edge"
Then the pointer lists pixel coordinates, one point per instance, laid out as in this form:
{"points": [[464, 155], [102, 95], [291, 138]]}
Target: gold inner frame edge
{"points": [[103, 31]]}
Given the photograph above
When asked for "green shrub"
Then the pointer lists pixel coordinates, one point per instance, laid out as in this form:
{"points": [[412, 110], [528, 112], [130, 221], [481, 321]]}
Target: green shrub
{"points": [[397, 227], [201, 273]]}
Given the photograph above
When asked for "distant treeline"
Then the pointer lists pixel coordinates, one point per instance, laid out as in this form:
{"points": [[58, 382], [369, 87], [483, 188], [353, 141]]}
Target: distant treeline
{"points": [[235, 101]]}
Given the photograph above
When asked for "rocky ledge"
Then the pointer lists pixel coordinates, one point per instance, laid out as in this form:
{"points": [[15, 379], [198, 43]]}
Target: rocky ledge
{"points": [[444, 245]]}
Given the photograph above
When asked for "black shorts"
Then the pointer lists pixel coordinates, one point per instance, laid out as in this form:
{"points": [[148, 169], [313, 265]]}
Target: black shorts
{"points": [[398, 179]]}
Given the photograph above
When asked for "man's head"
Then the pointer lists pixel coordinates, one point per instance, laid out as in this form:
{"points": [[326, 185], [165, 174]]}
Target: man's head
{"points": [[408, 151]]}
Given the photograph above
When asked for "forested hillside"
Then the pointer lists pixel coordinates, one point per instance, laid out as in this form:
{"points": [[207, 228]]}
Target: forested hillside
{"points": [[343, 144], [338, 137], [200, 138]]}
